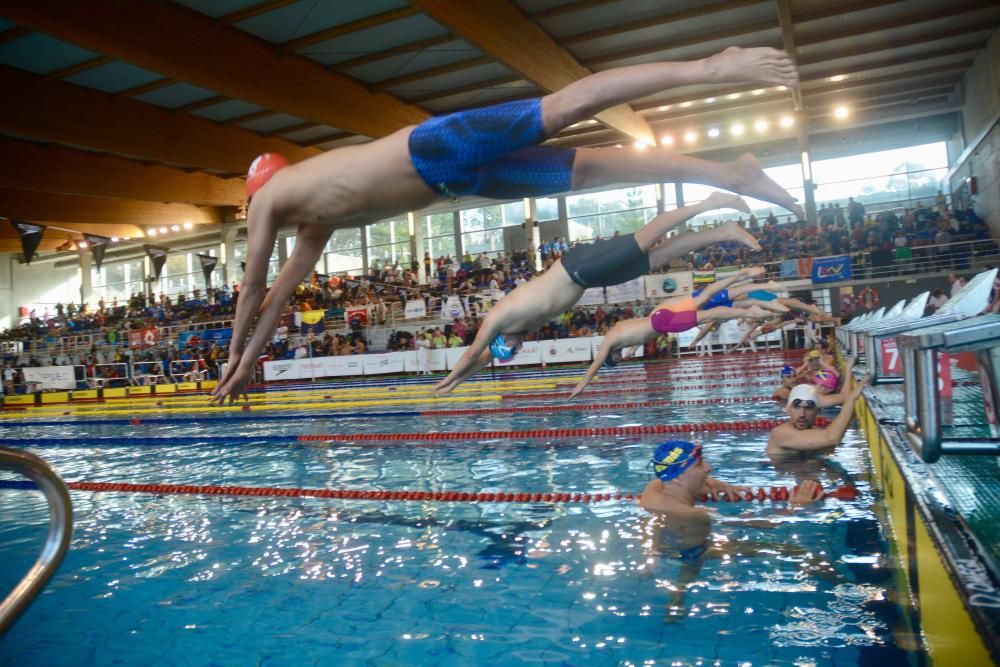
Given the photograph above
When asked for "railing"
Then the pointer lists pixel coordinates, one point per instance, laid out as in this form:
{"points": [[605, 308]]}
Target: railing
{"points": [[57, 541]]}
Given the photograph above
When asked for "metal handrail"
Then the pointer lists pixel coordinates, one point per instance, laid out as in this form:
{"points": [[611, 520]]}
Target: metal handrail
{"points": [[57, 541]]}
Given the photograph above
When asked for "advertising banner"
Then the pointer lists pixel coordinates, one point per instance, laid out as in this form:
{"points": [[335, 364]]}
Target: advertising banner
{"points": [[415, 308], [285, 369], [436, 360], [452, 308], [51, 377], [565, 350], [147, 337], [343, 365], [592, 296], [664, 285], [202, 339], [729, 332], [381, 364], [629, 291], [831, 269]]}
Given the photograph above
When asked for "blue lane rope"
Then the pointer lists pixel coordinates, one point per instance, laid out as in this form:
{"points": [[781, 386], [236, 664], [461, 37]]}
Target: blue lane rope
{"points": [[83, 421]]}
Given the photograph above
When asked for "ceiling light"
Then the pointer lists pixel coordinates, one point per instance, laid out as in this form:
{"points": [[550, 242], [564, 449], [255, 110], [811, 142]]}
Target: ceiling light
{"points": [[737, 129], [163, 230], [114, 239], [713, 132], [839, 77], [690, 136], [761, 125], [125, 238], [665, 107], [175, 228], [782, 88], [786, 121], [759, 91], [641, 145], [618, 146], [841, 112], [151, 232], [709, 100], [81, 244], [667, 140], [685, 105], [735, 96], [188, 225]]}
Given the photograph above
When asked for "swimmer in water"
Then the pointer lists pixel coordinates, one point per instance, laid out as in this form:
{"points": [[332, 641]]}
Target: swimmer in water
{"points": [[491, 152], [704, 306], [799, 433], [602, 263]]}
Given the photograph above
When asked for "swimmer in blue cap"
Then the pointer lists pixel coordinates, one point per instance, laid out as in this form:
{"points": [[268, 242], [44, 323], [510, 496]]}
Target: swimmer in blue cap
{"points": [[682, 476]]}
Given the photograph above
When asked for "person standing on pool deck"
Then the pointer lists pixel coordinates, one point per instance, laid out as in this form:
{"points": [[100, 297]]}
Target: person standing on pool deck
{"points": [[799, 433], [490, 152], [599, 264]]}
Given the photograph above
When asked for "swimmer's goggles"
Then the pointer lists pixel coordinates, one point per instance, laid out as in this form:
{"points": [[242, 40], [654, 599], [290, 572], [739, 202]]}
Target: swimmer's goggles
{"points": [[501, 350], [674, 457], [803, 403]]}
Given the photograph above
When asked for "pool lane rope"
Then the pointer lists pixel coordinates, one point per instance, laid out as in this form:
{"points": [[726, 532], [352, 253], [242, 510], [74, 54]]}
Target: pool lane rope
{"points": [[775, 493]]}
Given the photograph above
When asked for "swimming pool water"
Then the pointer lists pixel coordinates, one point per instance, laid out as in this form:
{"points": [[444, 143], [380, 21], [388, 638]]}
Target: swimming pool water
{"points": [[179, 580]]}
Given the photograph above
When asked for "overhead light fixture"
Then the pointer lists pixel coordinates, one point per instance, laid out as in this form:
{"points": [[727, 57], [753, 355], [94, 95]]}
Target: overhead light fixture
{"points": [[841, 112], [618, 146], [667, 140], [737, 129], [163, 230], [690, 136], [786, 121], [81, 245], [782, 88], [713, 132], [735, 96], [665, 107], [685, 105], [175, 228], [188, 225], [839, 77], [709, 100], [759, 91], [641, 145], [761, 125], [151, 232], [114, 239]]}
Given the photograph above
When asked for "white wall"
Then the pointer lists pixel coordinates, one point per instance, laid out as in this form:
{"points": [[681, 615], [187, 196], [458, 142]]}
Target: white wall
{"points": [[38, 285]]}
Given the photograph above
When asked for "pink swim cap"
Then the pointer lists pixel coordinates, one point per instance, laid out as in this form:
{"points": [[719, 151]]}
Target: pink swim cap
{"points": [[826, 379]]}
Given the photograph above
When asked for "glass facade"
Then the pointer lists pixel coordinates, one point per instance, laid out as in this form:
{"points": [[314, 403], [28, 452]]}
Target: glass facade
{"points": [[601, 214], [482, 228], [439, 234], [389, 243], [343, 252]]}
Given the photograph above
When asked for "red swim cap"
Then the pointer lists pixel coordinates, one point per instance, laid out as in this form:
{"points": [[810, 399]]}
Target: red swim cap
{"points": [[262, 169]]}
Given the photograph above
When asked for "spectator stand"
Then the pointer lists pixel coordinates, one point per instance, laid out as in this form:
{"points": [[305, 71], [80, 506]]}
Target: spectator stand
{"points": [[147, 373], [109, 376], [187, 370]]}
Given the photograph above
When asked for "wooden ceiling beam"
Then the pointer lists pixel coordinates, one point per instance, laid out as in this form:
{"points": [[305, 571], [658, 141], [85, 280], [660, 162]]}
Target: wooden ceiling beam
{"points": [[891, 46], [350, 27], [835, 10], [129, 127], [56, 208], [86, 65], [410, 47], [501, 30], [146, 88], [568, 8], [47, 168], [181, 43], [784, 8], [14, 245], [719, 35], [252, 11]]}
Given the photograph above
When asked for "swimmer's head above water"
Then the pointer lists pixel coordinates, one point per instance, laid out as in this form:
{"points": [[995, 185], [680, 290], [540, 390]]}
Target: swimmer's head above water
{"points": [[673, 457], [505, 346]]}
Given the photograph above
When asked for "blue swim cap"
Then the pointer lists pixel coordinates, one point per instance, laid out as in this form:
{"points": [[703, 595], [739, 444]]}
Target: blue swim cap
{"points": [[501, 350], [674, 457], [787, 371]]}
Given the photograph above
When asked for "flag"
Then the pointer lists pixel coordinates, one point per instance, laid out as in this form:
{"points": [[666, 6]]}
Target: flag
{"points": [[97, 244], [31, 236], [702, 278], [313, 321], [158, 256], [207, 266]]}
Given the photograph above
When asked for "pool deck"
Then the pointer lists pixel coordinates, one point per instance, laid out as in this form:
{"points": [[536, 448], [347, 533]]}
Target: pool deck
{"points": [[945, 519]]}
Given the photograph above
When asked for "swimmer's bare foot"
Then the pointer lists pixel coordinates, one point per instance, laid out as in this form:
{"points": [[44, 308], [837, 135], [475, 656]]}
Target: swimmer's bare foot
{"points": [[724, 200], [733, 232], [758, 65], [750, 179], [756, 311], [772, 306]]}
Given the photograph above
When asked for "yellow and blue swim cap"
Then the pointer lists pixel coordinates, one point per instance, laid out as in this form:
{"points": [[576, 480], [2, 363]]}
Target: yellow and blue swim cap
{"points": [[501, 350], [673, 457]]}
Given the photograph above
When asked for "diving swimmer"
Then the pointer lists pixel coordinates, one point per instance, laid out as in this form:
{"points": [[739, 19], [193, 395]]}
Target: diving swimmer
{"points": [[488, 152]]}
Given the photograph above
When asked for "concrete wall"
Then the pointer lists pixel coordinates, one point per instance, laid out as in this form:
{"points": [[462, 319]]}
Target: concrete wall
{"points": [[980, 116]]}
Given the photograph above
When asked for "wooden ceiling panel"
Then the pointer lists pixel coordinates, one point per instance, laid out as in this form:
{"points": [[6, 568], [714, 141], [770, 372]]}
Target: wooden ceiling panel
{"points": [[56, 208]]}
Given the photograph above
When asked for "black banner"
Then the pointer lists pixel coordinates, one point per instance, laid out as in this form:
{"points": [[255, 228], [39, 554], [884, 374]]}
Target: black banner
{"points": [[98, 244], [158, 256], [207, 265], [31, 236]]}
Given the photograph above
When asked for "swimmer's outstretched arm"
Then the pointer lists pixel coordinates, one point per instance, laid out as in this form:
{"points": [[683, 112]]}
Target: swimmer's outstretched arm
{"points": [[719, 285], [627, 332], [309, 245], [456, 378], [704, 331], [477, 356]]}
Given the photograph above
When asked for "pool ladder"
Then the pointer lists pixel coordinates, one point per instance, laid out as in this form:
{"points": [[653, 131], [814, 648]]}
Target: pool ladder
{"points": [[57, 542]]}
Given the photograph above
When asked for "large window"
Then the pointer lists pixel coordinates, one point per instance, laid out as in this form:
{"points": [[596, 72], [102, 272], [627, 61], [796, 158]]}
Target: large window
{"points": [[389, 242], [602, 214], [482, 228], [439, 234], [118, 280], [343, 252], [900, 177]]}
